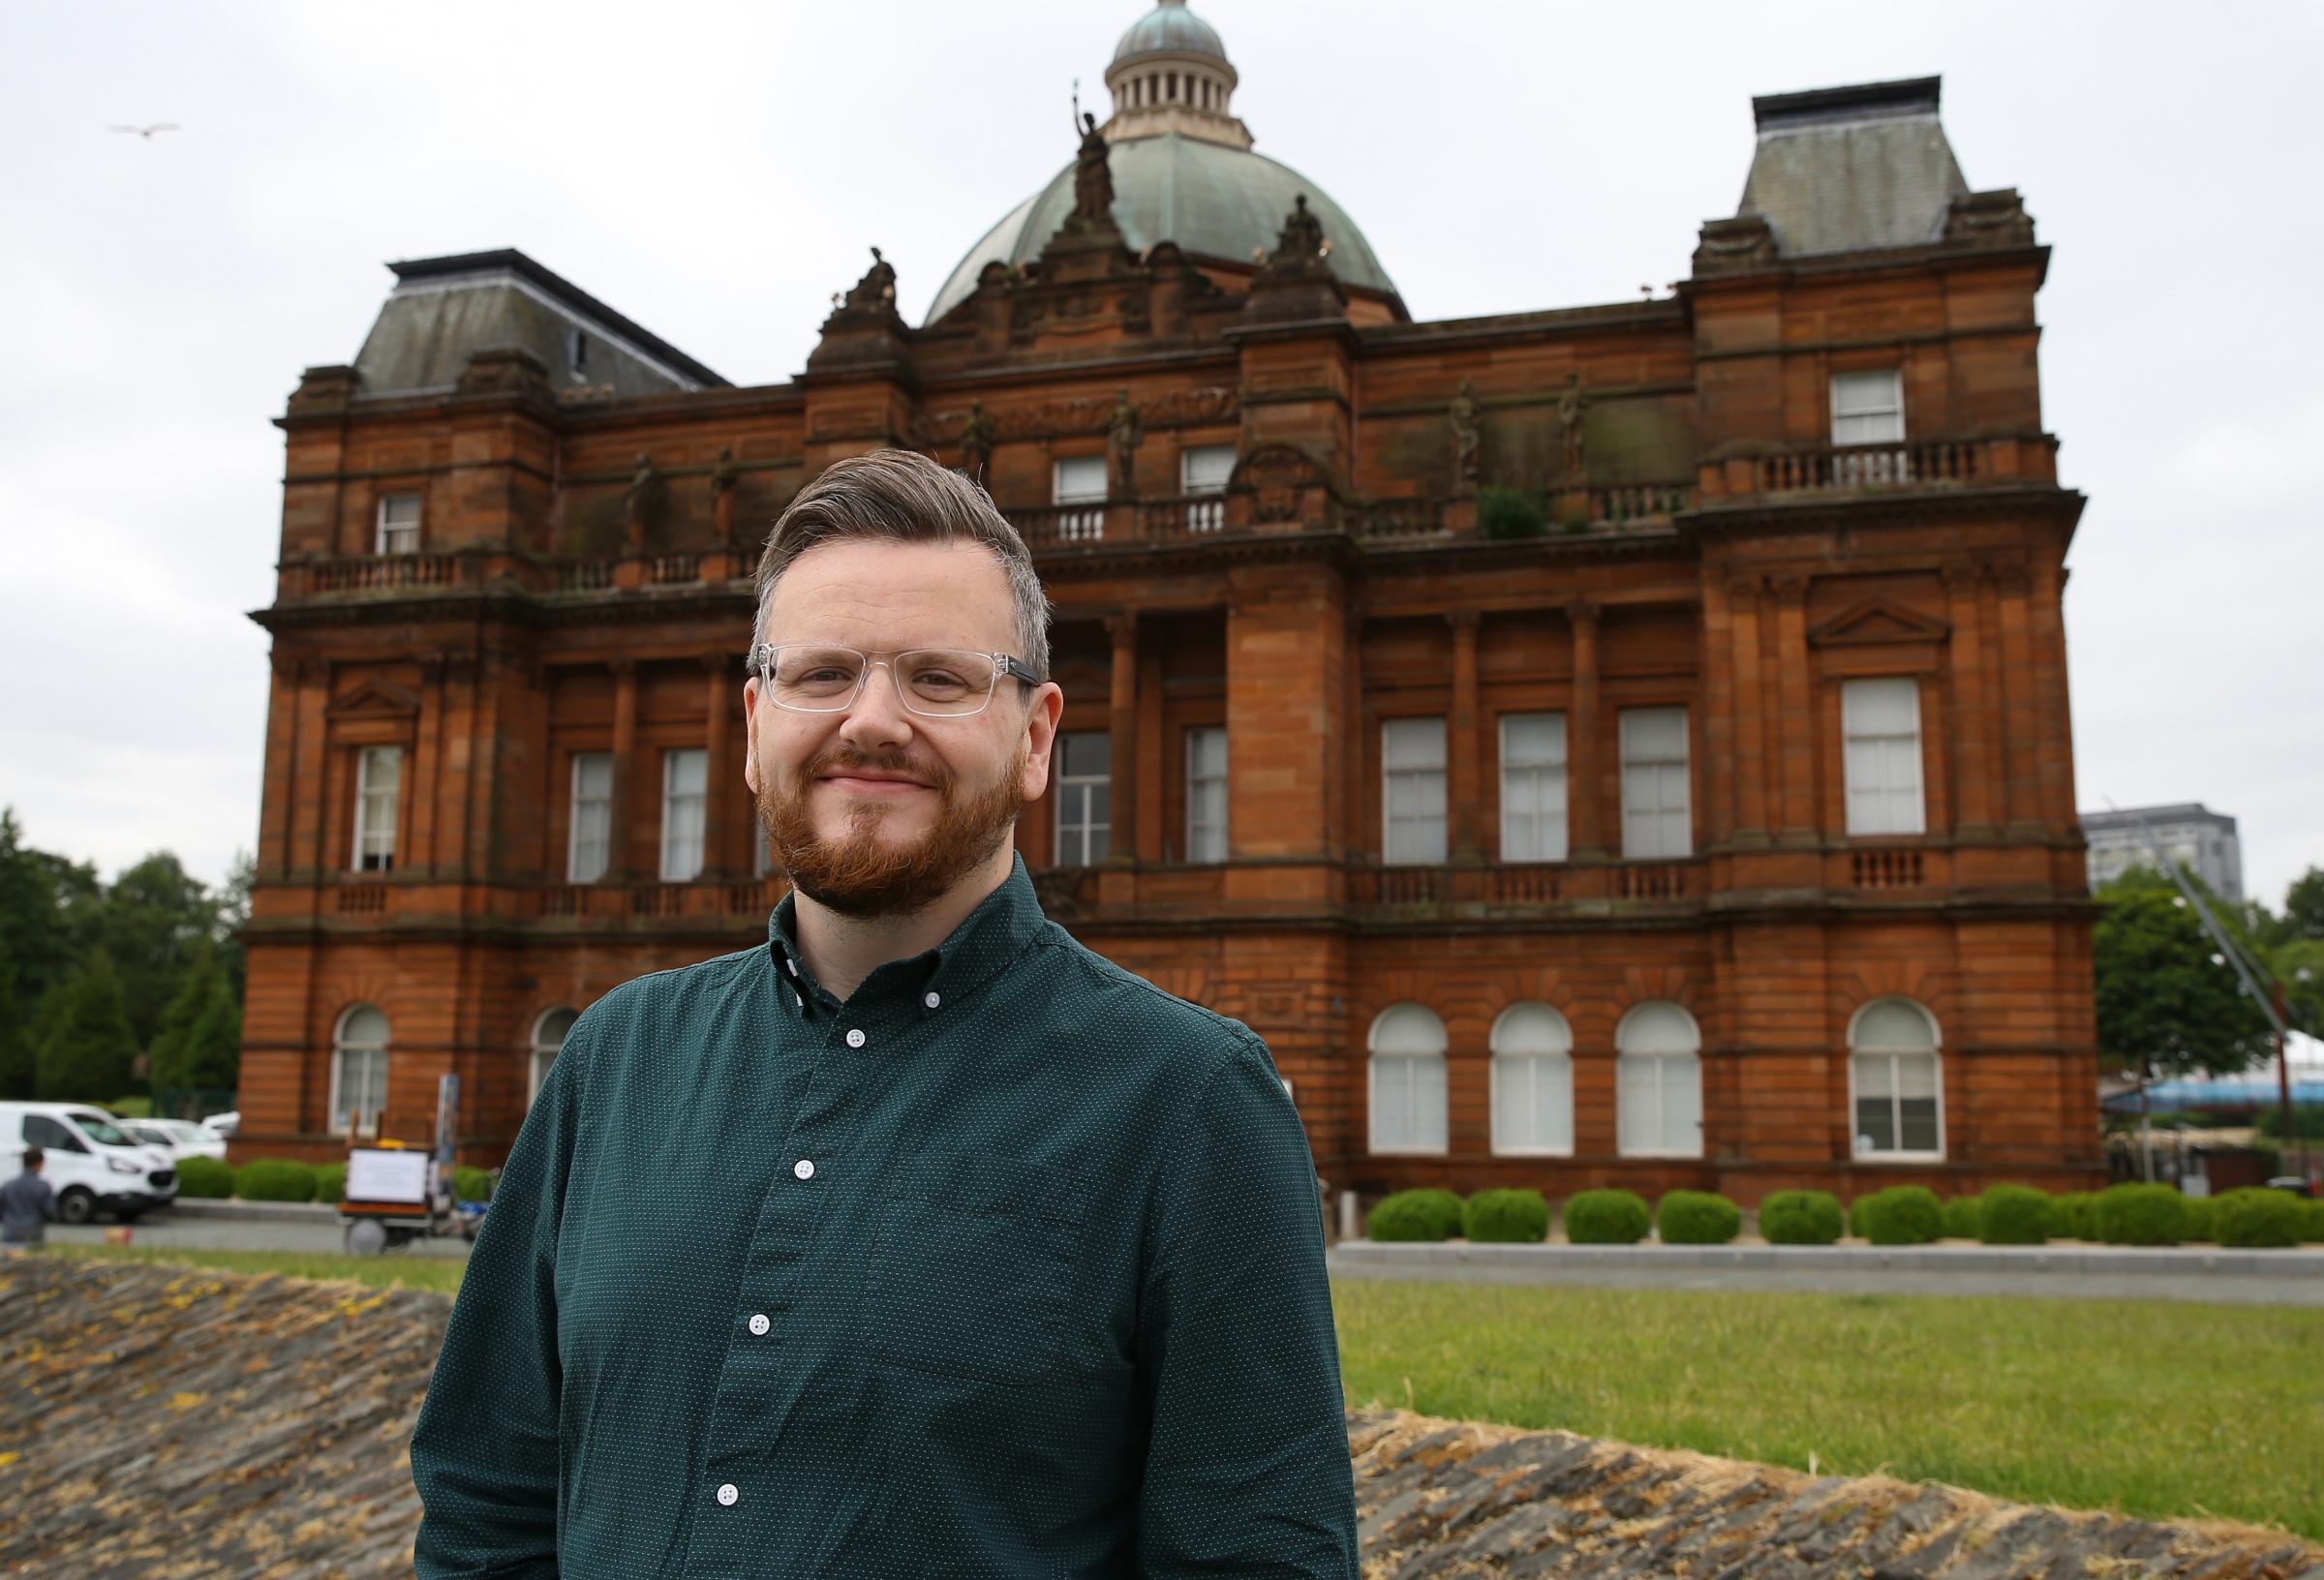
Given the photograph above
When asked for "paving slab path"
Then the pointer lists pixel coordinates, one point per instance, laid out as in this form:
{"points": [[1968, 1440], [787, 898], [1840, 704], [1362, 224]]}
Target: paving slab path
{"points": [[161, 1422]]}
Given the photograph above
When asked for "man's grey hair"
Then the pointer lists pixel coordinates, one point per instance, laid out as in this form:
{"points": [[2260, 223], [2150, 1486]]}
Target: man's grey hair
{"points": [[902, 497]]}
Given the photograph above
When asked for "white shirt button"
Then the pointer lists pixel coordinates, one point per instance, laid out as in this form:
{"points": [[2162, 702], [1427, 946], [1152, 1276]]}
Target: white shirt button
{"points": [[759, 1325], [805, 1167], [729, 1493], [855, 1037], [788, 966], [932, 1000]]}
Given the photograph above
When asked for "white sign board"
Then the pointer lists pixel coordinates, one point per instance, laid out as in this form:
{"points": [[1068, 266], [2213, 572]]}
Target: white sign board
{"points": [[383, 1174]]}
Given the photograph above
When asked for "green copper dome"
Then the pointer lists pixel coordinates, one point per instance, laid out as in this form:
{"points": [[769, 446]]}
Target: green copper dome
{"points": [[1211, 199], [1170, 25]]}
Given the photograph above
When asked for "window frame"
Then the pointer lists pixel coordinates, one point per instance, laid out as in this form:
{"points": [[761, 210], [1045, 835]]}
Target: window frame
{"points": [[1081, 512], [1561, 780], [573, 810], [1661, 1059], [1892, 409], [536, 1071], [1933, 1053], [1442, 1113], [673, 799], [1563, 1057], [1390, 728], [384, 829], [1207, 502], [406, 531], [1085, 828], [341, 1047], [1196, 781], [1884, 793], [1683, 766]]}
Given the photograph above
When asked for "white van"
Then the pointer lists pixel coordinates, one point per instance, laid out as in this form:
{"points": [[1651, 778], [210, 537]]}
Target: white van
{"points": [[88, 1161]]}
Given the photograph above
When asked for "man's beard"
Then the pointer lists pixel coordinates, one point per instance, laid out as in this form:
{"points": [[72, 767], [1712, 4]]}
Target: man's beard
{"points": [[863, 875]]}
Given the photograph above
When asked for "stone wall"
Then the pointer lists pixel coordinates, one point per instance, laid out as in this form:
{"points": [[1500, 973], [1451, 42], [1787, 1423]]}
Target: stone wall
{"points": [[168, 1421]]}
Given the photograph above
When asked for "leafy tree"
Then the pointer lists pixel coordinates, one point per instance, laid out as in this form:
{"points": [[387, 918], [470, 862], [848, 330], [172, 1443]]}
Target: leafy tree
{"points": [[2304, 905], [15, 1033], [151, 920], [45, 906], [232, 915], [86, 1051], [2164, 1006], [200, 1043]]}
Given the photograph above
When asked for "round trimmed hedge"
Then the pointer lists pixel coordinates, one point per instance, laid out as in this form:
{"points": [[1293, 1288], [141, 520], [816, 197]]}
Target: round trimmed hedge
{"points": [[2312, 1222], [2077, 1215], [275, 1179], [2015, 1215], [204, 1180], [330, 1182], [471, 1184], [2256, 1218], [1415, 1215], [1607, 1218], [1516, 1217], [2141, 1215], [1799, 1218], [1901, 1215], [1696, 1218], [1960, 1216], [2202, 1218]]}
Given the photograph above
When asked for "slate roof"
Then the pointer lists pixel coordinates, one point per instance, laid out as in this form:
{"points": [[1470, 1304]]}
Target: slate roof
{"points": [[1847, 170], [445, 309]]}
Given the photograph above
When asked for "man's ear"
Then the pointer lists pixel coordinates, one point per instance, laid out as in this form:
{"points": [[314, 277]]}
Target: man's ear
{"points": [[751, 735], [1042, 713]]}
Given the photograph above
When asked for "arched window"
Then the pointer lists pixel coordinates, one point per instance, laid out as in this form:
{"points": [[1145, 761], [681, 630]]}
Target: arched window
{"points": [[1408, 1080], [1532, 1081], [548, 1039], [1893, 1072], [1659, 1101], [358, 1072]]}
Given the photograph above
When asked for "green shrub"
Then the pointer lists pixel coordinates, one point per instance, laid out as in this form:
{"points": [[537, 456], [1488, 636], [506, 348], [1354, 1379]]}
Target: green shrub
{"points": [[1901, 1215], [1696, 1218], [1509, 512], [1800, 1217], [275, 1179], [471, 1184], [2141, 1215], [2015, 1215], [1518, 1217], [2257, 1219], [1415, 1215], [330, 1182], [2077, 1214], [1960, 1217], [2202, 1218], [204, 1180], [1607, 1218], [2312, 1222]]}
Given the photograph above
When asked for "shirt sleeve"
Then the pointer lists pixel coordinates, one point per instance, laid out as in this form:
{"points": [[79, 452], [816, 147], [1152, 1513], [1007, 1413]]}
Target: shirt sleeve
{"points": [[485, 1452], [1246, 1470]]}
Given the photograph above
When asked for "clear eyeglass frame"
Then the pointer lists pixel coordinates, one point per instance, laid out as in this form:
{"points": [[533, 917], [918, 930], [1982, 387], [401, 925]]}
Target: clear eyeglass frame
{"points": [[764, 656]]}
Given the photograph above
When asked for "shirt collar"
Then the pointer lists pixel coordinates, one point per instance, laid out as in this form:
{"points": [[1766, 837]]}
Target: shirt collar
{"points": [[993, 934]]}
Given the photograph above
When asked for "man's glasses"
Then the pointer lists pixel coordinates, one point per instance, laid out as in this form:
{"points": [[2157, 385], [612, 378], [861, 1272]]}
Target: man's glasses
{"points": [[942, 683]]}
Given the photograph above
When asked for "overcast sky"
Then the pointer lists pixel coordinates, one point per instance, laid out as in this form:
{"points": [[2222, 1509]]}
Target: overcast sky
{"points": [[716, 171]]}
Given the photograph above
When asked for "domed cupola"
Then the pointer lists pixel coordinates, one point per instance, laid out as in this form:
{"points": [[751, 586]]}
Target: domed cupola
{"points": [[1171, 74]]}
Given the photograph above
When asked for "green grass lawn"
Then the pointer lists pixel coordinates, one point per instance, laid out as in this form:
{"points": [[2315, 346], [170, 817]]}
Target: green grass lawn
{"points": [[2158, 1408], [2155, 1409]]}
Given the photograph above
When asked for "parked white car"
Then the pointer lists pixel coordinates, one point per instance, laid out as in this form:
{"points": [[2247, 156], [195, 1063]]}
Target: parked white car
{"points": [[181, 1137], [223, 1125], [92, 1163]]}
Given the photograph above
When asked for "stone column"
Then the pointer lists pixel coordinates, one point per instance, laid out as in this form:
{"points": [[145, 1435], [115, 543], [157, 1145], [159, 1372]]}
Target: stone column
{"points": [[1461, 766], [1749, 693], [1972, 765], [619, 864], [1585, 798], [1121, 742], [1796, 717], [717, 792]]}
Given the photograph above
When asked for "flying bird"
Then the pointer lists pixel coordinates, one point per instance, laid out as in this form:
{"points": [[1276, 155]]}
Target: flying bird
{"points": [[147, 132]]}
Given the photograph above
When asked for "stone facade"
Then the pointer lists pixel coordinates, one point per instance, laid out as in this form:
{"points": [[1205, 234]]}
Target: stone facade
{"points": [[1581, 512]]}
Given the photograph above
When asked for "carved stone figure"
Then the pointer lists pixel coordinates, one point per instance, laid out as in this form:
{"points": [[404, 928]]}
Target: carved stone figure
{"points": [[1468, 437], [722, 494], [637, 502], [1123, 436], [1093, 178], [876, 289], [1573, 406], [977, 435]]}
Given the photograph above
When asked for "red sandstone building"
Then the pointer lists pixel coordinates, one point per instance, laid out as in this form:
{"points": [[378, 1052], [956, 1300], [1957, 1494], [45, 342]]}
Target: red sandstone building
{"points": [[1622, 743]]}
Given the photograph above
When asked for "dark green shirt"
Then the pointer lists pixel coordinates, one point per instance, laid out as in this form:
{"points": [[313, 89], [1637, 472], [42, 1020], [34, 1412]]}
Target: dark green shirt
{"points": [[1010, 1266]]}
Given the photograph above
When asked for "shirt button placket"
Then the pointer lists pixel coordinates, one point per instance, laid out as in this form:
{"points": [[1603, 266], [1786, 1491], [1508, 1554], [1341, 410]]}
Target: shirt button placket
{"points": [[728, 1492], [759, 1325], [855, 1037]]}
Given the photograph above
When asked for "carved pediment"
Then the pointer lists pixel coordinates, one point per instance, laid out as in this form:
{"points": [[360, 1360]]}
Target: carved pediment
{"points": [[375, 699], [1875, 621]]}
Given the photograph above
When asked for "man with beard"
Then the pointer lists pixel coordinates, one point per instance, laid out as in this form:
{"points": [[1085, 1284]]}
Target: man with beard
{"points": [[920, 1241]]}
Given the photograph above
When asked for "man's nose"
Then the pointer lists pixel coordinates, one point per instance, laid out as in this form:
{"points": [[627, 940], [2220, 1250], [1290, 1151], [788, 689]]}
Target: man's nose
{"points": [[877, 717]]}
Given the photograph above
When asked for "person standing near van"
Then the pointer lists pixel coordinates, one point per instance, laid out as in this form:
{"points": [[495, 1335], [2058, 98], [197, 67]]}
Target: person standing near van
{"points": [[27, 1206], [919, 1240]]}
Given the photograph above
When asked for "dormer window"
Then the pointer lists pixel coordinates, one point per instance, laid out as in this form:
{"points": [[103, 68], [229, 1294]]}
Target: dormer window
{"points": [[1868, 407], [576, 352], [399, 524]]}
